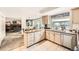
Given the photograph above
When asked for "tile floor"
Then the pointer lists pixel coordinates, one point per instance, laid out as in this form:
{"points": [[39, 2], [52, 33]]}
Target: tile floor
{"points": [[12, 41], [45, 46], [15, 43]]}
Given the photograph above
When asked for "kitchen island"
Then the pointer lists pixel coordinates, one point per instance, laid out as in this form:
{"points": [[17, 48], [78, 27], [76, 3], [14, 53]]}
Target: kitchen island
{"points": [[32, 37]]}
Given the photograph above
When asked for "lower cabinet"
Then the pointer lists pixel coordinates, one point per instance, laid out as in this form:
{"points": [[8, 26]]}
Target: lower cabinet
{"points": [[25, 39], [30, 39], [47, 34], [67, 41], [74, 42], [52, 36], [57, 38], [62, 38], [37, 36], [42, 34], [33, 37]]}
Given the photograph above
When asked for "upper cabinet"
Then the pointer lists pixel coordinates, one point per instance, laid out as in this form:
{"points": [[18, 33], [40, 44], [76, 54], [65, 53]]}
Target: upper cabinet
{"points": [[75, 16], [45, 19]]}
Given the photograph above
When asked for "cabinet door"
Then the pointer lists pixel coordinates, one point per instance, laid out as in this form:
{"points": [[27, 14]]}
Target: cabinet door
{"points": [[74, 41], [37, 37], [45, 19], [75, 15], [30, 39], [62, 38], [42, 34], [52, 36], [57, 38], [67, 40], [25, 39], [47, 34]]}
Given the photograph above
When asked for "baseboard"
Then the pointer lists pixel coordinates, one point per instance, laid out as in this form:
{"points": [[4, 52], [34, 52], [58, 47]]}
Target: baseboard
{"points": [[60, 45], [52, 42], [36, 43]]}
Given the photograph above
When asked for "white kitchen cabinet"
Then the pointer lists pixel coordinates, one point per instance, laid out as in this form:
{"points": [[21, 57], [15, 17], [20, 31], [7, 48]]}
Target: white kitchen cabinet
{"points": [[67, 40], [25, 39], [42, 34], [52, 36], [57, 38], [30, 39], [47, 34], [70, 41], [62, 38], [37, 36]]}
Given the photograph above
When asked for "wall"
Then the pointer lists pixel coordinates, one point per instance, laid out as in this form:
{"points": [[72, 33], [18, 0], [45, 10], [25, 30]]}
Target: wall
{"points": [[23, 23], [58, 10], [2, 27]]}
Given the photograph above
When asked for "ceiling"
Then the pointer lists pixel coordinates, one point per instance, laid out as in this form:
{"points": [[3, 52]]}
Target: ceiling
{"points": [[47, 9], [24, 11]]}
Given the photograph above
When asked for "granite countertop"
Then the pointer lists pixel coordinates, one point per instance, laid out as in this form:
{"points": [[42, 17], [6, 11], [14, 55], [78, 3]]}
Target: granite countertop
{"points": [[33, 31], [64, 32], [59, 31]]}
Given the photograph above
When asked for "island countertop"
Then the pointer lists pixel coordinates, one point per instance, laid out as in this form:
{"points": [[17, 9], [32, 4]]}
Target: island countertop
{"points": [[32, 31]]}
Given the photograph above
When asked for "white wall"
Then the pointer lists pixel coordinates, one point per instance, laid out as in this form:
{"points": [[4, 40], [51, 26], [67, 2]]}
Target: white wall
{"points": [[58, 10], [23, 23], [2, 27]]}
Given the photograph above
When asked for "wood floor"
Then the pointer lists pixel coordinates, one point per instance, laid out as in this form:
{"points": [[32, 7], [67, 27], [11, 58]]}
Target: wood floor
{"points": [[44, 46]]}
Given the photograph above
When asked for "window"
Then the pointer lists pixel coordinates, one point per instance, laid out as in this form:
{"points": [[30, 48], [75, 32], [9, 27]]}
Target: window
{"points": [[61, 25], [60, 21], [38, 23], [29, 22]]}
